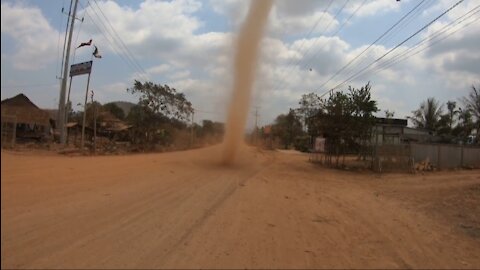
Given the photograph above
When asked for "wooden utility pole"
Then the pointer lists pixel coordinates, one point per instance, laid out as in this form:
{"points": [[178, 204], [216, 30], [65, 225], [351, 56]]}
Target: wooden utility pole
{"points": [[61, 102]]}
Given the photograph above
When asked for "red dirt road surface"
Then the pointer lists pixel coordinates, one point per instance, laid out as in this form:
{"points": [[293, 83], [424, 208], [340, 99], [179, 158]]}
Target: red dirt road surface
{"points": [[271, 210]]}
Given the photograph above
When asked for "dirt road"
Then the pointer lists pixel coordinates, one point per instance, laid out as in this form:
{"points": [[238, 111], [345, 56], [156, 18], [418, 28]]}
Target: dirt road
{"points": [[272, 210]]}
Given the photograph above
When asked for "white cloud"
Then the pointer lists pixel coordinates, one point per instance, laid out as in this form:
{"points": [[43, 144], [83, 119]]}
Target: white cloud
{"points": [[33, 35], [287, 17], [157, 27], [118, 87], [375, 7], [179, 75], [159, 69], [316, 23]]}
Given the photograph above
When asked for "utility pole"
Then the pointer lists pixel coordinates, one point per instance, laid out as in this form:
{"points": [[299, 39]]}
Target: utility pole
{"points": [[61, 102]]}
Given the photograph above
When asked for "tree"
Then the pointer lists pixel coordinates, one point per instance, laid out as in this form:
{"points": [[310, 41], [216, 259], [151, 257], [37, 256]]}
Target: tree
{"points": [[211, 128], [363, 108], [115, 110], [451, 106], [287, 128], [160, 110], [389, 114], [94, 111], [309, 106], [447, 120], [472, 104], [346, 120], [465, 124], [162, 99], [210, 131], [428, 115], [147, 127]]}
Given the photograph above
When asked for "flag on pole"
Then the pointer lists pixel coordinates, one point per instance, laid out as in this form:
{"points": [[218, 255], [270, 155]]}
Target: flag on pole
{"points": [[95, 53], [85, 43]]}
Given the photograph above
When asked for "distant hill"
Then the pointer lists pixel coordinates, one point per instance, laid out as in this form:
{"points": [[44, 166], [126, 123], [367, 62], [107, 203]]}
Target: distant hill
{"points": [[124, 105]]}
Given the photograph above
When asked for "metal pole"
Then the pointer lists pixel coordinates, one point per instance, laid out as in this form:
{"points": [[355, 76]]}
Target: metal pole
{"points": [[94, 126], [69, 107], [61, 102], [85, 113], [68, 98]]}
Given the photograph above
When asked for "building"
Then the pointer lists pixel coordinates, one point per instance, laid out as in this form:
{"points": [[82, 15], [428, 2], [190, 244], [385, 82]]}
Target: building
{"points": [[395, 131], [24, 119], [110, 124]]}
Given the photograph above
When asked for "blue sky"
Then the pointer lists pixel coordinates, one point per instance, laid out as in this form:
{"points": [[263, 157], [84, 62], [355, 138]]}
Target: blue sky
{"points": [[189, 44]]}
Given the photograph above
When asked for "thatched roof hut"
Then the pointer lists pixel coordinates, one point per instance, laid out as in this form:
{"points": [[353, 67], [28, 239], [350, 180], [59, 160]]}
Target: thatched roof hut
{"points": [[24, 111]]}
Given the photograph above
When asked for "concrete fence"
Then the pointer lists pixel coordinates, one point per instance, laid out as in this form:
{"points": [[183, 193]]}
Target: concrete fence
{"points": [[445, 156]]}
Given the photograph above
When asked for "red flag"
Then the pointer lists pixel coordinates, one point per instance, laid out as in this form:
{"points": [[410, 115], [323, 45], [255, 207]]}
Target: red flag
{"points": [[85, 43]]}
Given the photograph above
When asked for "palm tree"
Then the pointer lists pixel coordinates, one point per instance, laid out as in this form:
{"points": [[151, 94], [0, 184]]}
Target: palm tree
{"points": [[428, 115], [465, 125], [472, 104], [451, 106]]}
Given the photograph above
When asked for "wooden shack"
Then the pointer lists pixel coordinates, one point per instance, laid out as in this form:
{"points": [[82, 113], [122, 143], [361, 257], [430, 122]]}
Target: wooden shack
{"points": [[29, 120]]}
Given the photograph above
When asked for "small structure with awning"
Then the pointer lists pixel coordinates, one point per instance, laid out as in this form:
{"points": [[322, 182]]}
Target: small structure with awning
{"points": [[29, 120]]}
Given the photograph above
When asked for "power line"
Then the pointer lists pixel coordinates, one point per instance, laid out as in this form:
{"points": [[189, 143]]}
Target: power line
{"points": [[398, 45], [439, 32], [78, 33], [408, 53], [309, 33], [406, 22], [111, 42], [336, 32], [315, 41], [114, 41], [392, 34], [120, 39], [327, 27], [373, 43], [315, 26]]}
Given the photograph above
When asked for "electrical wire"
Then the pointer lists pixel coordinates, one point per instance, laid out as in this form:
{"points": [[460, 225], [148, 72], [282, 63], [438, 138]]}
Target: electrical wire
{"points": [[373, 43], [111, 42], [120, 39], [398, 45]]}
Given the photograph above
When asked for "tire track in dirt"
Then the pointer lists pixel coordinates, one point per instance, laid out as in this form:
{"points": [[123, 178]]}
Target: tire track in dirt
{"points": [[301, 216], [124, 223], [182, 210]]}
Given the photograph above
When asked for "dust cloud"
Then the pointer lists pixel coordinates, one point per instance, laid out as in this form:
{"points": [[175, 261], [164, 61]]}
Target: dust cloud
{"points": [[247, 50]]}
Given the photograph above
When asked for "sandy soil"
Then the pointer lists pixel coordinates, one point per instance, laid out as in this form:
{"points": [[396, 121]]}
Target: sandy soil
{"points": [[271, 210]]}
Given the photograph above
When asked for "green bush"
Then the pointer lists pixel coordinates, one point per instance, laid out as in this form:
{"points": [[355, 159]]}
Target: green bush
{"points": [[302, 143]]}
